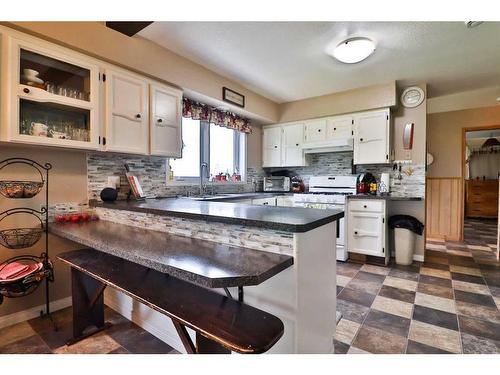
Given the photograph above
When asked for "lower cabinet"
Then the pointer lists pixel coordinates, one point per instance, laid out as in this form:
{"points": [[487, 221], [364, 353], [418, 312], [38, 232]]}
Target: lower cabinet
{"points": [[366, 222]]}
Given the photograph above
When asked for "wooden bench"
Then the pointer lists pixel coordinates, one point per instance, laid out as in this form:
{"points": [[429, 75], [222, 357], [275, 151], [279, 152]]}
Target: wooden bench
{"points": [[221, 324]]}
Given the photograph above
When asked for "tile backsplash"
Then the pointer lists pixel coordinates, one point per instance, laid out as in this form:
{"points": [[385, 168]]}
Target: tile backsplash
{"points": [[151, 172], [339, 163]]}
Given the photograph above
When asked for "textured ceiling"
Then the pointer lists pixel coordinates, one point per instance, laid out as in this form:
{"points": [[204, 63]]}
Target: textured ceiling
{"points": [[286, 61]]}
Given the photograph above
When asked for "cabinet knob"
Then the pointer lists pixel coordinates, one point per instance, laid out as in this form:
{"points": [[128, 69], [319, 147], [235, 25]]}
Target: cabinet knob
{"points": [[138, 115], [356, 233], [296, 144], [319, 130], [275, 146], [26, 90], [334, 128], [364, 206], [159, 120], [361, 139]]}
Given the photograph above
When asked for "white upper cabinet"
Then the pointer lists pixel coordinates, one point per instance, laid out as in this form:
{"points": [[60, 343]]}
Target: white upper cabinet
{"points": [[315, 131], [339, 127], [282, 145], [271, 146], [293, 136], [165, 121], [127, 110], [50, 95], [372, 137]]}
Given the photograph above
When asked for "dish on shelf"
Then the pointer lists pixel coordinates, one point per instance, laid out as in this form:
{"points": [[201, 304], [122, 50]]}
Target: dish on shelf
{"points": [[20, 238], [16, 271], [20, 189], [26, 283], [30, 79]]}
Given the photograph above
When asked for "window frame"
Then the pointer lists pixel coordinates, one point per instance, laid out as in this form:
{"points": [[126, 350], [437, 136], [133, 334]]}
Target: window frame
{"points": [[239, 156]]}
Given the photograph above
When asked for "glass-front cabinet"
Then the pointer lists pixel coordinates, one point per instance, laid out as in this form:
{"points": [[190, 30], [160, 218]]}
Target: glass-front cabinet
{"points": [[55, 96]]}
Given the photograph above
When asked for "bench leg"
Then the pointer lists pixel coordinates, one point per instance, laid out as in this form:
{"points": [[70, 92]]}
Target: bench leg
{"points": [[207, 346], [88, 306], [203, 345]]}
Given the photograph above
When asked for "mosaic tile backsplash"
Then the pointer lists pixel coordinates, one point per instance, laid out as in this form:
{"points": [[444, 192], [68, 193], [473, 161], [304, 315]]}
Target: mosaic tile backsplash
{"points": [[339, 163], [152, 174], [236, 235]]}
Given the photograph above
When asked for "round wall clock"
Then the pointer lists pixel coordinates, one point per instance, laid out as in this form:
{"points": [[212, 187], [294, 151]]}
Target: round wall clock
{"points": [[412, 97]]}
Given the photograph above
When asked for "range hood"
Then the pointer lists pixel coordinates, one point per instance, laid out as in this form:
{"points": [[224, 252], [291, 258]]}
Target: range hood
{"points": [[333, 145]]}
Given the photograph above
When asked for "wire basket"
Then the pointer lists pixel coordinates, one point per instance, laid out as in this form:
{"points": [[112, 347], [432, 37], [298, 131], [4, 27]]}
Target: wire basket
{"points": [[29, 283], [20, 238], [20, 189]]}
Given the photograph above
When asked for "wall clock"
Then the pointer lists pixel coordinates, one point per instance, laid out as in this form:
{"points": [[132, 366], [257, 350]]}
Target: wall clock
{"points": [[412, 97]]}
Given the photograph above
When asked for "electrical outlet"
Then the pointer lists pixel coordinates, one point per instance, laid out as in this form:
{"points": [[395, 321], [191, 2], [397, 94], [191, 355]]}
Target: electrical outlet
{"points": [[113, 182]]}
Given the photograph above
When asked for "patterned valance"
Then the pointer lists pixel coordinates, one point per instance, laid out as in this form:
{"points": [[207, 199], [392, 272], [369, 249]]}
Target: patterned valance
{"points": [[204, 112]]}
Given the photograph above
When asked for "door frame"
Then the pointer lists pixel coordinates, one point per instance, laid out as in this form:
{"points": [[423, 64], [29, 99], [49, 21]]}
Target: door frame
{"points": [[462, 171]]}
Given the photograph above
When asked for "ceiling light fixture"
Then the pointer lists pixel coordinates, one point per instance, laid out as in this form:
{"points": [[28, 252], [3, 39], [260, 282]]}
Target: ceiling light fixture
{"points": [[354, 50]]}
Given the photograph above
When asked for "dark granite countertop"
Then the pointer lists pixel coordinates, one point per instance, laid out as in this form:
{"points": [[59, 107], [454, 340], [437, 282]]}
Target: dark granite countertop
{"points": [[286, 219], [238, 196], [201, 262], [385, 197]]}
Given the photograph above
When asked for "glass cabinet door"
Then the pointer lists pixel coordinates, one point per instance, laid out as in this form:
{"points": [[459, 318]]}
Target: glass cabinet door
{"points": [[54, 99]]}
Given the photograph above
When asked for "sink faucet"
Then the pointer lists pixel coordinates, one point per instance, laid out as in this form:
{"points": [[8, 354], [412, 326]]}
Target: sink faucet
{"points": [[203, 166]]}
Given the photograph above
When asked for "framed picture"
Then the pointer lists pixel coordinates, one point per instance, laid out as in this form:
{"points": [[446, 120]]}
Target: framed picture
{"points": [[233, 97]]}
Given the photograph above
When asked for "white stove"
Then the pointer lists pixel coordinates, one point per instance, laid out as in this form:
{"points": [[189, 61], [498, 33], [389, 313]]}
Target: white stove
{"points": [[329, 192]]}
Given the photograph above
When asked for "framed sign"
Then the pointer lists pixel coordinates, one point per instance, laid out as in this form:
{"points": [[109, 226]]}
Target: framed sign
{"points": [[233, 97]]}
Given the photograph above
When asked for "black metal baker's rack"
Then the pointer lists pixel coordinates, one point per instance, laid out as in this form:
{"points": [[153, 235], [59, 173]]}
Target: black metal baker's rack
{"points": [[19, 238]]}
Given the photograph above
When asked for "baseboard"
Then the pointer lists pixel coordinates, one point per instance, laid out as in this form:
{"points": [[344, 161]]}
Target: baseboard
{"points": [[157, 324], [34, 312]]}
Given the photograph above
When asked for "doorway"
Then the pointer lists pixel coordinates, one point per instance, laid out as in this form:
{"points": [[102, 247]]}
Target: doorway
{"points": [[480, 177]]}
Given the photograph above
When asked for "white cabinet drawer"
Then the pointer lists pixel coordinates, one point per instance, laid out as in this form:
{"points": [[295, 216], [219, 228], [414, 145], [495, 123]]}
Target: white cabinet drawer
{"points": [[367, 205]]}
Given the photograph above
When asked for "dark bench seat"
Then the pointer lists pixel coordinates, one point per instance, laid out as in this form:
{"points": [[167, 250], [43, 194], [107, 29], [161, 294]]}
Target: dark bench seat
{"points": [[221, 323]]}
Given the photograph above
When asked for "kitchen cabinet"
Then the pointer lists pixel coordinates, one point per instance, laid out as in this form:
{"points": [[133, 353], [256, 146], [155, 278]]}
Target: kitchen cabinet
{"points": [[282, 145], [367, 227], [127, 123], [293, 135], [50, 95], [372, 137], [339, 127], [481, 198], [165, 121], [271, 201], [315, 131], [271, 146]]}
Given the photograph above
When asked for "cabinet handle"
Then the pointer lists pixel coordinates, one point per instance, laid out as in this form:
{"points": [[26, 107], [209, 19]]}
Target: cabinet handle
{"points": [[138, 115], [26, 90], [159, 120]]}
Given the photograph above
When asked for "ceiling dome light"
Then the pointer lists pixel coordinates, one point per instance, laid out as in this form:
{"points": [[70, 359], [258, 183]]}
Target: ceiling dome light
{"points": [[354, 50]]}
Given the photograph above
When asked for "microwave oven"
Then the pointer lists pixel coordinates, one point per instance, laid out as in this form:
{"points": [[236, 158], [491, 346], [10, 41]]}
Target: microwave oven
{"points": [[277, 183]]}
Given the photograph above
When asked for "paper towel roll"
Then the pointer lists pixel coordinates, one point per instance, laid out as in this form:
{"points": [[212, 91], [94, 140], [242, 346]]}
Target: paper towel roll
{"points": [[385, 185]]}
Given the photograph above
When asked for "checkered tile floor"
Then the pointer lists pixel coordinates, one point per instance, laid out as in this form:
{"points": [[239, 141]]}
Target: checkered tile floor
{"points": [[448, 304], [37, 336]]}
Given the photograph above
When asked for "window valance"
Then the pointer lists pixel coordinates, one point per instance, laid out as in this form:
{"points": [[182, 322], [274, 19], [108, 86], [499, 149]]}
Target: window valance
{"points": [[199, 111]]}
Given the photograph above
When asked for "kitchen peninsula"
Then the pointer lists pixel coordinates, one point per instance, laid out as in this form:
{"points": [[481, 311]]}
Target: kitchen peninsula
{"points": [[284, 257]]}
